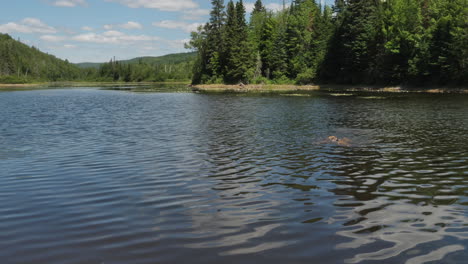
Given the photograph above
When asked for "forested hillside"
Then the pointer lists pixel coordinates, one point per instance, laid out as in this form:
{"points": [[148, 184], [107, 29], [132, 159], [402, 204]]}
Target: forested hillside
{"points": [[356, 41], [164, 68], [138, 71], [20, 63], [166, 59]]}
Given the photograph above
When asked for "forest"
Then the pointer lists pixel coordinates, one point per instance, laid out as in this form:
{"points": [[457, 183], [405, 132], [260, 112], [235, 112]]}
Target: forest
{"points": [[20, 63], [177, 67], [416, 42]]}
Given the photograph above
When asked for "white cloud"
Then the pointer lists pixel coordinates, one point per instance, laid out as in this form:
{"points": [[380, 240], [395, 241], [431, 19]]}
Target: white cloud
{"points": [[128, 25], [249, 7], [164, 5], [52, 38], [27, 25], [149, 48], [113, 33], [69, 3], [171, 24], [196, 14], [113, 37], [65, 30], [178, 43], [274, 7], [86, 28], [69, 46], [132, 25]]}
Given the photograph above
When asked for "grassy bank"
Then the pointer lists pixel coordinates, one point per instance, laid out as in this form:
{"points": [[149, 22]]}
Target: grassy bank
{"points": [[220, 88], [22, 85]]}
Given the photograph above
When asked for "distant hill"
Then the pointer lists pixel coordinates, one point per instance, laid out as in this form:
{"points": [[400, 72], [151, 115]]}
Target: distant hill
{"points": [[166, 59], [22, 63]]}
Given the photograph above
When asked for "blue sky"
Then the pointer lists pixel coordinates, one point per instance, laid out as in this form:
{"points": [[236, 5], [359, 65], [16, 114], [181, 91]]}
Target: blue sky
{"points": [[97, 30]]}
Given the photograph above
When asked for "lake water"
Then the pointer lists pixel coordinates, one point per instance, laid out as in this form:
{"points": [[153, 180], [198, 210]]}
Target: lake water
{"points": [[102, 176]]}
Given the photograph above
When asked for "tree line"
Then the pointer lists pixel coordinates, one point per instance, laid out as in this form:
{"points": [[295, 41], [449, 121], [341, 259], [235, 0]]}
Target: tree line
{"points": [[20, 63], [415, 42], [143, 71]]}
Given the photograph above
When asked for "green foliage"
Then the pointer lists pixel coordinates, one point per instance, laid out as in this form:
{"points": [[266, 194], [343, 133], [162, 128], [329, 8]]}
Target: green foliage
{"points": [[137, 72], [266, 45], [239, 55], [355, 41], [260, 80], [11, 79], [161, 60], [20, 63]]}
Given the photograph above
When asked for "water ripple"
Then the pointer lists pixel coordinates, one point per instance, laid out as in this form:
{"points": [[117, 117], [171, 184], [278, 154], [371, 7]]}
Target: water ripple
{"points": [[92, 176]]}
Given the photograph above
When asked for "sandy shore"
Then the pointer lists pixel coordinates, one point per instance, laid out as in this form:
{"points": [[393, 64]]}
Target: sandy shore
{"points": [[327, 88]]}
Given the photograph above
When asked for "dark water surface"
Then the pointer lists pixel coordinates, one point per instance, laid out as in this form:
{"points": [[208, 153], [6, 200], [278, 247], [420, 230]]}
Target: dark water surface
{"points": [[95, 176]]}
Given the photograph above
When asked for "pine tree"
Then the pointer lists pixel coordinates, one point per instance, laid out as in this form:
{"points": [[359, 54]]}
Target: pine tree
{"points": [[279, 54], [449, 42], [356, 40], [239, 53], [266, 45], [321, 32], [215, 41], [231, 43], [258, 7], [302, 26], [257, 19], [401, 34]]}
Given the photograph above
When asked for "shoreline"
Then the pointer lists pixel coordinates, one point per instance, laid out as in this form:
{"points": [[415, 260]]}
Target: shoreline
{"points": [[83, 84], [249, 88], [273, 88], [19, 85]]}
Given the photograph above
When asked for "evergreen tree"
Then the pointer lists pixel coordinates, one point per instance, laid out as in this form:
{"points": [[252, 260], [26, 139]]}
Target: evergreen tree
{"points": [[266, 45], [257, 19], [356, 41], [303, 22], [258, 7], [279, 53], [239, 53], [449, 43], [215, 42], [21, 63], [322, 30], [402, 32]]}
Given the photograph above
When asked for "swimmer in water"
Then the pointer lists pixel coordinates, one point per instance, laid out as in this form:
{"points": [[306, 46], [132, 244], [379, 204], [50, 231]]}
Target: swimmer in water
{"points": [[345, 142]]}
